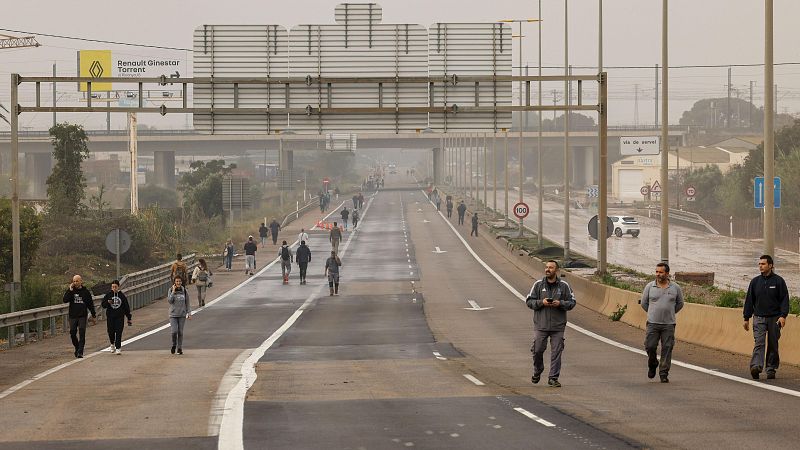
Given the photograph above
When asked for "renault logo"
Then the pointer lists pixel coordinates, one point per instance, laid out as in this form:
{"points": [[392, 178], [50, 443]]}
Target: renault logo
{"points": [[96, 69]]}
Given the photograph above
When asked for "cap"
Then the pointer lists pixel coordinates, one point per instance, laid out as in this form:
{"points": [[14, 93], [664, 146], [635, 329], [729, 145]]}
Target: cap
{"points": [[250, 237]]}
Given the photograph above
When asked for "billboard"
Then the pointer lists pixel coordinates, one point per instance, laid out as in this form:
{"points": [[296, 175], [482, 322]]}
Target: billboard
{"points": [[104, 64]]}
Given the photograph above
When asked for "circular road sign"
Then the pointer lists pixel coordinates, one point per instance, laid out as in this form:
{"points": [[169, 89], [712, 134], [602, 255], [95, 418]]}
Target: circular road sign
{"points": [[521, 210], [644, 190], [593, 227], [690, 191], [124, 241]]}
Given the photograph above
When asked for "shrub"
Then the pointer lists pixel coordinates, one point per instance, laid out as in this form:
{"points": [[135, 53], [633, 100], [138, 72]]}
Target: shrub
{"points": [[730, 299], [617, 315]]}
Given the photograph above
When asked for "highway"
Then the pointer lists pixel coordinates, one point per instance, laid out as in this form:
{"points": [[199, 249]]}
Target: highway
{"points": [[733, 261], [400, 359]]}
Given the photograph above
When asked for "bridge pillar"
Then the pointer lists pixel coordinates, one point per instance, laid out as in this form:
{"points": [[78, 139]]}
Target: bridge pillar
{"points": [[437, 166], [38, 167], [164, 168], [583, 166]]}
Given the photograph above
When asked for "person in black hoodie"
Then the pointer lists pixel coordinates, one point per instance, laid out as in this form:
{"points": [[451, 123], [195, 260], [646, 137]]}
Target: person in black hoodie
{"points": [[303, 257], [116, 305], [80, 304]]}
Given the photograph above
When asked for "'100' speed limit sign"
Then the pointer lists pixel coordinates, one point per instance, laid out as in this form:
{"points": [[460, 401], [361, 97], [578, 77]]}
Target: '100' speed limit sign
{"points": [[521, 210]]}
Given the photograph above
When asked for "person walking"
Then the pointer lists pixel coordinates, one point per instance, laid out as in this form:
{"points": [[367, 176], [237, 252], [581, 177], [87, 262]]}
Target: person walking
{"points": [[462, 210], [438, 203], [302, 236], [336, 192], [117, 308], [449, 206], [179, 269], [474, 225], [287, 257], [200, 277], [321, 202], [355, 218], [345, 215], [303, 257], [179, 311], [550, 299], [263, 232], [767, 302], [80, 305], [227, 254], [662, 299], [274, 228], [250, 248], [360, 200], [355, 201], [332, 265], [335, 237]]}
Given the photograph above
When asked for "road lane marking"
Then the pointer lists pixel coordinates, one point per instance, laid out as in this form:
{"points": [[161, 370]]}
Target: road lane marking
{"points": [[437, 354], [533, 417], [438, 250], [614, 343], [231, 429], [476, 307], [474, 380]]}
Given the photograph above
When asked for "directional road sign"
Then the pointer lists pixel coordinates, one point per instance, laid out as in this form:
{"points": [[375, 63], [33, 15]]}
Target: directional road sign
{"points": [[758, 192], [639, 145], [521, 210], [592, 191]]}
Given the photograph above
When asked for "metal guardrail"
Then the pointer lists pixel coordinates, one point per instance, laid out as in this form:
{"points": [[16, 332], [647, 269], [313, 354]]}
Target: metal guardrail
{"points": [[141, 288], [294, 215], [687, 217]]}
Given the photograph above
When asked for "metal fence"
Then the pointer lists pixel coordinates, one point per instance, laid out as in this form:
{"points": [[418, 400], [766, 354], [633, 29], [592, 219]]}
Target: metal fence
{"points": [[141, 288]]}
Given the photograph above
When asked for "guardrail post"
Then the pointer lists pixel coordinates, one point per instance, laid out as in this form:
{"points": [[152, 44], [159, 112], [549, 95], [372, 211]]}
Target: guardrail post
{"points": [[25, 330], [65, 323], [39, 330], [52, 326], [12, 338]]}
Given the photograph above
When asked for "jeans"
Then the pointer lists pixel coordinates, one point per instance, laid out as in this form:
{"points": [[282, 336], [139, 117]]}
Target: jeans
{"points": [[303, 269], [286, 267], [540, 345], [115, 325], [201, 293], [766, 333], [250, 263], [229, 261], [665, 333], [77, 332], [335, 245], [176, 327]]}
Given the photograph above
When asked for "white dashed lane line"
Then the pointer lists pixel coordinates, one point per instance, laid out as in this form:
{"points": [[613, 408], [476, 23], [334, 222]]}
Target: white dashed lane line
{"points": [[474, 380]]}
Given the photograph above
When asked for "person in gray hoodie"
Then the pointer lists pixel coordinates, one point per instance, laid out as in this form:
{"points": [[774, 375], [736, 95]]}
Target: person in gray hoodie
{"points": [[662, 299], [179, 311], [550, 299]]}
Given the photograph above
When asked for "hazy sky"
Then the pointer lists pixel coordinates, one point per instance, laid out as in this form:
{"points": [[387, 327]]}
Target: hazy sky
{"points": [[701, 32]]}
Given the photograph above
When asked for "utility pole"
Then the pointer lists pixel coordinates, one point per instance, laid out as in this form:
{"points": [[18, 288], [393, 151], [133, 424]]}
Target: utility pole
{"points": [[655, 90], [636, 105], [539, 141], [664, 133], [54, 94], [770, 108], [728, 114], [567, 101], [555, 103], [750, 108]]}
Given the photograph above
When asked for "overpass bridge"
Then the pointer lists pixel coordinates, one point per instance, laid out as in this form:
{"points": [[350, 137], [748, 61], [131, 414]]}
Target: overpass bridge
{"points": [[165, 145]]}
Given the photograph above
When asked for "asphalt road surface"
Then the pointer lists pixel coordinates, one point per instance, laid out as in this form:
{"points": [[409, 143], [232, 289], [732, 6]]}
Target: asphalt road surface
{"points": [[423, 348]]}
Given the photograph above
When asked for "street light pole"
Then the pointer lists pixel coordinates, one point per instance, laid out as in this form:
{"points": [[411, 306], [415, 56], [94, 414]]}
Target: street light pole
{"points": [[769, 133], [15, 237], [540, 214], [567, 102], [664, 134]]}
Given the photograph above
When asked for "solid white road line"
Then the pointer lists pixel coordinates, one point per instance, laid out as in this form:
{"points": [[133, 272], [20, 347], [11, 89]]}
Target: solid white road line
{"points": [[231, 429], [474, 380], [534, 417], [606, 340], [437, 354]]}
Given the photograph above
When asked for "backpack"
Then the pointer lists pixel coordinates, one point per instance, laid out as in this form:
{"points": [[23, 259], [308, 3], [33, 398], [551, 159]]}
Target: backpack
{"points": [[181, 271], [285, 253], [202, 276]]}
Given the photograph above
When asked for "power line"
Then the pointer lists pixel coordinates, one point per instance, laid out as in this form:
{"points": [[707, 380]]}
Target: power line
{"points": [[98, 40]]}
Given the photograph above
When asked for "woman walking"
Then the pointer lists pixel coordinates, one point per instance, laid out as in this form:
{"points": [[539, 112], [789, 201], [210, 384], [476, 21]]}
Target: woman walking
{"points": [[179, 311], [116, 305], [227, 254], [200, 277]]}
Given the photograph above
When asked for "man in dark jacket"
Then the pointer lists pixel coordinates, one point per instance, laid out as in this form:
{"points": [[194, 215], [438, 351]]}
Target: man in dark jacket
{"points": [[303, 257], [263, 232], [550, 299], [462, 210], [345, 215], [474, 225], [274, 228], [116, 305], [449, 205], [767, 302], [80, 304]]}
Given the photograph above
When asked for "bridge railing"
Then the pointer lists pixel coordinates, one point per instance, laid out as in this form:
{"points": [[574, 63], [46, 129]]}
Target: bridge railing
{"points": [[141, 288]]}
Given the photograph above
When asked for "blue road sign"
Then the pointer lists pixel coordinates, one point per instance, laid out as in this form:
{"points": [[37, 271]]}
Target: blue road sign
{"points": [[758, 192]]}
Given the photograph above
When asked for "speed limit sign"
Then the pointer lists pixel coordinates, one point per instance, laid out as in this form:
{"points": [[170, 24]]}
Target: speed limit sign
{"points": [[691, 191], [521, 210]]}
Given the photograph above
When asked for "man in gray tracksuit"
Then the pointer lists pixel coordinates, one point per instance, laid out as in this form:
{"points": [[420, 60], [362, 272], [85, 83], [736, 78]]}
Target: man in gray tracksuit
{"points": [[550, 299], [662, 299]]}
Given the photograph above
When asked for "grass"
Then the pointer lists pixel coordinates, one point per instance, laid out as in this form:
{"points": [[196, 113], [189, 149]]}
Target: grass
{"points": [[610, 280], [730, 299]]}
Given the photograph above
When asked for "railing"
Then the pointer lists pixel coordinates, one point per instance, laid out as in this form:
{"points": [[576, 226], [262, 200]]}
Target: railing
{"points": [[687, 218], [294, 215], [141, 288]]}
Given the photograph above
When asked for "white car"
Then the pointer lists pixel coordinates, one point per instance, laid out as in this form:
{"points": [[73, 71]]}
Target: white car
{"points": [[625, 225]]}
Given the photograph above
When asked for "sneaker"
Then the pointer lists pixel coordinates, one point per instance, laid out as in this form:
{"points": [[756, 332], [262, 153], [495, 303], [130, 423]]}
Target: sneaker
{"points": [[664, 379], [80, 354], [553, 382], [172, 350], [651, 371], [755, 371], [770, 375], [111, 348], [76, 353], [180, 351], [535, 379], [118, 351]]}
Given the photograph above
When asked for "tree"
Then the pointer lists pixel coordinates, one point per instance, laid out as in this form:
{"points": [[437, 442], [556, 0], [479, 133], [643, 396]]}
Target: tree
{"points": [[705, 180], [202, 187], [65, 186], [30, 231], [576, 122], [150, 195]]}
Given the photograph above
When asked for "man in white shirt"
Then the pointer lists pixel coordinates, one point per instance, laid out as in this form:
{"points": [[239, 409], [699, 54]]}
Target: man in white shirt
{"points": [[303, 236]]}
